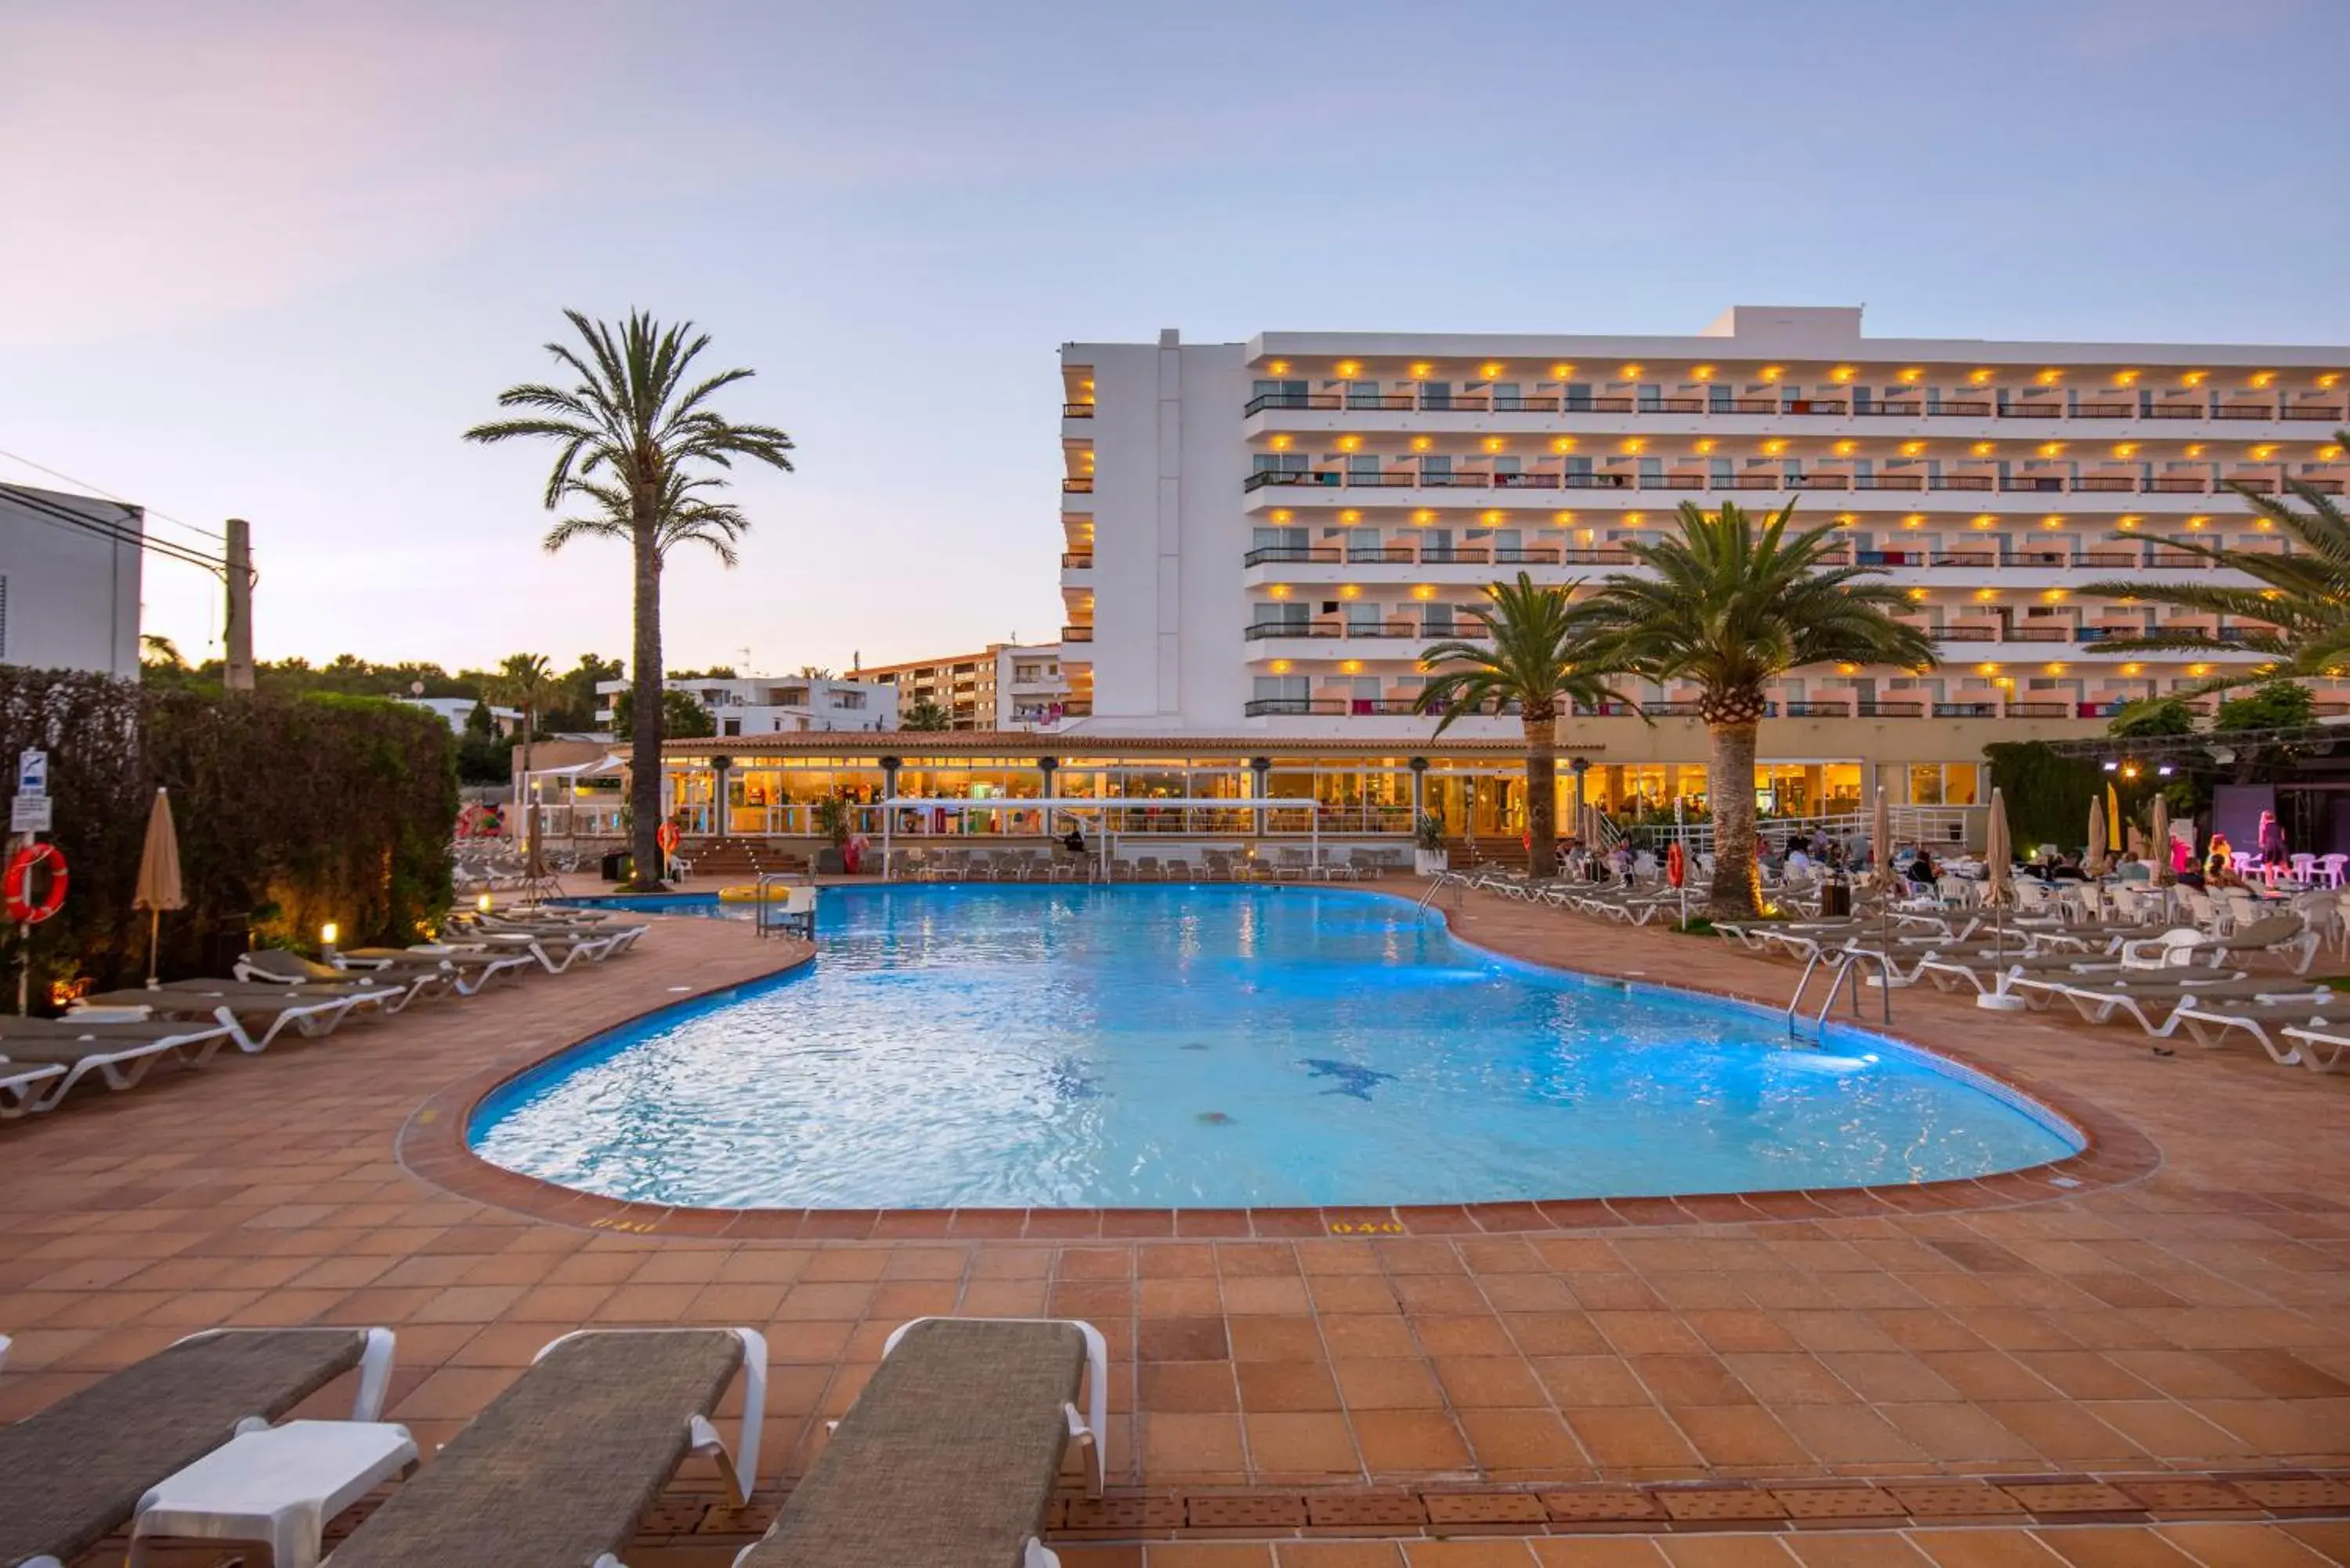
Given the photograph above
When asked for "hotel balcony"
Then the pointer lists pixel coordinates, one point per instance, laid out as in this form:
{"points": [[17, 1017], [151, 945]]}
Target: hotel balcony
{"points": [[1400, 479], [2039, 412]]}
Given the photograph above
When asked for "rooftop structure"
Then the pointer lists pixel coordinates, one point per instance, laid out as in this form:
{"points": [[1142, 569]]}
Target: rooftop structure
{"points": [[70, 580], [777, 704]]}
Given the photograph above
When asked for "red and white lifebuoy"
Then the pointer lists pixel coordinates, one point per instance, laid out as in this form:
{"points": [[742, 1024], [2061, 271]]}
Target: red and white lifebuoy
{"points": [[1676, 867], [15, 889], [668, 836]]}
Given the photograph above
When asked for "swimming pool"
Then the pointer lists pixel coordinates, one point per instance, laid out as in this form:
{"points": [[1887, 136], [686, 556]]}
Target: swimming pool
{"points": [[1224, 1047]]}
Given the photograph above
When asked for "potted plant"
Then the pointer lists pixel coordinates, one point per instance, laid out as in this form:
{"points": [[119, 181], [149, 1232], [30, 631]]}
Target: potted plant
{"points": [[832, 821], [1429, 855]]}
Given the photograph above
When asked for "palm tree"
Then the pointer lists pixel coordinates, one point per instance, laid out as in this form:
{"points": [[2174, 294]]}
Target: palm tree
{"points": [[2303, 598], [1526, 657], [637, 435], [1730, 605], [528, 682], [927, 715]]}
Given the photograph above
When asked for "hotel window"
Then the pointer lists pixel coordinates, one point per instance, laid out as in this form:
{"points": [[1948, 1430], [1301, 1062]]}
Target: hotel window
{"points": [[1508, 397], [1578, 397], [1651, 396], [1436, 394], [1279, 462], [1281, 688], [1863, 399], [1718, 399], [1436, 468], [1436, 620], [1362, 394], [1288, 391]]}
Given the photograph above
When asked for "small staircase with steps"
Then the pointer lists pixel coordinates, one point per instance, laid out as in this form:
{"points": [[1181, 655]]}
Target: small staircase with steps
{"points": [[738, 858]]}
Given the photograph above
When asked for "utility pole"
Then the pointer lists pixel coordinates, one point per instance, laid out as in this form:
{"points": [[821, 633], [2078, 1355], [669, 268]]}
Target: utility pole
{"points": [[236, 628]]}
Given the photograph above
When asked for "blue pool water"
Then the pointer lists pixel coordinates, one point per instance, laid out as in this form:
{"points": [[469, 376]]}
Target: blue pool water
{"points": [[1060, 1046]]}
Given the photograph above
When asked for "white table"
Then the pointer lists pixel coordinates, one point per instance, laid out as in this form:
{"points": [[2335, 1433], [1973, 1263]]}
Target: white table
{"points": [[276, 1487]]}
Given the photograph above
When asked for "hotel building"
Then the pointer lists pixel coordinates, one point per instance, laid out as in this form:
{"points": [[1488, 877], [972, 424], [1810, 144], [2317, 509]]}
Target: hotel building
{"points": [[1005, 686], [1262, 538]]}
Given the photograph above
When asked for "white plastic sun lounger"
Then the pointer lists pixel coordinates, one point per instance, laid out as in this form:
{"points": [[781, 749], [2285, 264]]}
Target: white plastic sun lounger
{"points": [[20, 1093], [2153, 1008], [119, 1053], [2324, 1050], [469, 968], [2212, 1024], [255, 1016]]}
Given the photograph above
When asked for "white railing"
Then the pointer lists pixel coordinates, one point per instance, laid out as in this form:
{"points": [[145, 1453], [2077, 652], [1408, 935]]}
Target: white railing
{"points": [[1937, 827]]}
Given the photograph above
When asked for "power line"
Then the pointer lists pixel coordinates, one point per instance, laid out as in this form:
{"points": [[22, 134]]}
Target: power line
{"points": [[114, 533], [100, 489]]}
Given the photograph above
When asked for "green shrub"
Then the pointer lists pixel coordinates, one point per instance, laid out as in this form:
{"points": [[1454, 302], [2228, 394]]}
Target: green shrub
{"points": [[290, 810]]}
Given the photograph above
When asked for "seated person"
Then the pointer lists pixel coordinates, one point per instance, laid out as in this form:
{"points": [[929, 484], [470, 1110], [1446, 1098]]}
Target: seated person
{"points": [[2067, 869], [1075, 841], [1922, 872]]}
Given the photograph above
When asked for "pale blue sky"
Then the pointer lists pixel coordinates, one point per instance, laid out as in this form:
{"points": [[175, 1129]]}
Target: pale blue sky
{"points": [[271, 259]]}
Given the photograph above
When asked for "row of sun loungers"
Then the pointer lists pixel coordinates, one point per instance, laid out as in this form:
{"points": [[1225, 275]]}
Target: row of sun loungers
{"points": [[950, 1453], [1212, 866], [116, 1038]]}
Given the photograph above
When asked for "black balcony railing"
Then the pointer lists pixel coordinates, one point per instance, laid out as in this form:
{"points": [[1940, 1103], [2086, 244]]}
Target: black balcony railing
{"points": [[1888, 481], [2104, 481], [1325, 707], [1962, 481], [1076, 633], [1328, 630], [1270, 554], [1078, 560], [2104, 410], [1966, 710], [1526, 481], [1077, 411], [2033, 410], [2245, 412], [1960, 410], [2173, 484], [1904, 410], [2175, 412], [1080, 486], [2032, 483], [2040, 710]]}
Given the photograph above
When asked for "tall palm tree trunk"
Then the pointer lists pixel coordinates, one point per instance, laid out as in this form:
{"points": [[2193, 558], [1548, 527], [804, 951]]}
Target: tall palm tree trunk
{"points": [[1729, 794], [1542, 791], [528, 802], [645, 719]]}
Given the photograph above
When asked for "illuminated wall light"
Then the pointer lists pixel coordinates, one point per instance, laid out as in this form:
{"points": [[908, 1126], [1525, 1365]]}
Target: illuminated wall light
{"points": [[1349, 368], [1421, 443], [1913, 374], [1282, 514], [1490, 517], [2049, 378], [1706, 446], [1916, 596], [1772, 372], [2005, 683], [1423, 592], [1281, 666], [1563, 443], [1983, 449], [2052, 448], [2055, 596], [1423, 516], [2127, 449], [1349, 591], [2329, 454], [2198, 669], [2194, 378], [1348, 443], [1495, 444], [2330, 379], [1562, 518], [1912, 448], [2052, 520], [1632, 372], [2195, 450], [1984, 520], [1280, 443], [2265, 378], [1635, 518], [2198, 522], [1915, 520], [2124, 378], [1279, 367], [1635, 445], [1980, 377], [1489, 369], [1842, 373], [2262, 524], [2056, 669], [1775, 447], [1279, 591], [2133, 669], [1844, 520], [1701, 373], [2130, 521], [1351, 667], [2262, 453], [1847, 670], [1986, 670], [1562, 372], [1986, 595], [1351, 515]]}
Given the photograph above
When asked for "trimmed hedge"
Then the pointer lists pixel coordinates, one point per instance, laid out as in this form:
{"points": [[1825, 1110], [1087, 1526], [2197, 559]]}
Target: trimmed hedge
{"points": [[291, 811]]}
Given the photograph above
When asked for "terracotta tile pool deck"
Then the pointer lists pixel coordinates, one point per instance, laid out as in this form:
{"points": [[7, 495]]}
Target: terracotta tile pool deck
{"points": [[2152, 1367]]}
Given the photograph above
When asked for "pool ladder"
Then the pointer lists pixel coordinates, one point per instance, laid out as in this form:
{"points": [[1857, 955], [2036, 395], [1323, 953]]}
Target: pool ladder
{"points": [[1844, 966]]}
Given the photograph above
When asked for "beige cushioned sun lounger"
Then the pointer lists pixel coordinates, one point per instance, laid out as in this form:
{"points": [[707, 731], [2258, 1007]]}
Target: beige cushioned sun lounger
{"points": [[950, 1452], [72, 1474]]}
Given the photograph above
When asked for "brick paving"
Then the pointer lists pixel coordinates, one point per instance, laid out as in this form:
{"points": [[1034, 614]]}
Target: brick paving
{"points": [[2182, 1319]]}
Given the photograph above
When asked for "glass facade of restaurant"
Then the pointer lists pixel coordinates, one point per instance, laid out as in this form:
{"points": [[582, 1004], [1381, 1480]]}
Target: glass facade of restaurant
{"points": [[1357, 794]]}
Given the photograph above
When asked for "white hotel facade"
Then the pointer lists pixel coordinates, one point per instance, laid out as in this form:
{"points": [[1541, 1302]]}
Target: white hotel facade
{"points": [[1261, 537]]}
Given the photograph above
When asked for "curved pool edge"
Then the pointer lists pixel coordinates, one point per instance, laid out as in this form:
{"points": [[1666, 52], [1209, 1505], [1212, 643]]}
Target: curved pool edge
{"points": [[433, 1146]]}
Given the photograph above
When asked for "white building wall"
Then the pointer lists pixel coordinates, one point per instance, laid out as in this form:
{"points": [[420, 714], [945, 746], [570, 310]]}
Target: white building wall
{"points": [[68, 595]]}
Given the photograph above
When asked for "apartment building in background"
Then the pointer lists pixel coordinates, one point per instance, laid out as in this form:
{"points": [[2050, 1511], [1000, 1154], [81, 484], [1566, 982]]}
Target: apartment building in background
{"points": [[69, 581], [1261, 537], [1005, 686], [777, 704]]}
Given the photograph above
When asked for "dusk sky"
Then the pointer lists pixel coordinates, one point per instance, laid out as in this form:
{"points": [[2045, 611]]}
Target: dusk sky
{"points": [[270, 260]]}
